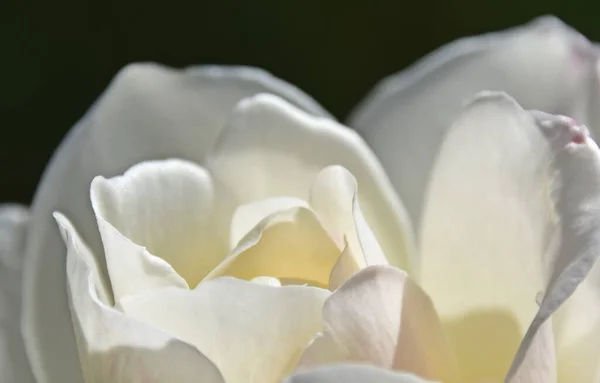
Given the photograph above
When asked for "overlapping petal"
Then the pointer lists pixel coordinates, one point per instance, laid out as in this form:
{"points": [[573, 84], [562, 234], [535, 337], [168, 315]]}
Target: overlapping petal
{"points": [[272, 149], [114, 347], [381, 318], [148, 112], [544, 65], [508, 186], [254, 333]]}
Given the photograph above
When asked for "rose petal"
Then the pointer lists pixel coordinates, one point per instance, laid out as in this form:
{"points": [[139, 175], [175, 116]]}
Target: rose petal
{"points": [[485, 232], [247, 216], [544, 65], [253, 332], [539, 362], [577, 328], [290, 244], [148, 112], [270, 149], [577, 160], [160, 225], [114, 347], [334, 197], [344, 268], [352, 373], [380, 317], [14, 366]]}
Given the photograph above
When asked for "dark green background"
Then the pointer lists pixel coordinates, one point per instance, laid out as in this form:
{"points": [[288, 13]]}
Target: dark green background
{"points": [[57, 56]]}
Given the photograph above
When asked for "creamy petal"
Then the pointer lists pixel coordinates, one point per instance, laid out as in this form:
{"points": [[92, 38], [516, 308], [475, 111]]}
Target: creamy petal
{"points": [[247, 216], [14, 366], [148, 112], [577, 160], [344, 268], [485, 231], [380, 317], [290, 244], [544, 65], [353, 373], [334, 197], [114, 347], [270, 148], [160, 225], [253, 332]]}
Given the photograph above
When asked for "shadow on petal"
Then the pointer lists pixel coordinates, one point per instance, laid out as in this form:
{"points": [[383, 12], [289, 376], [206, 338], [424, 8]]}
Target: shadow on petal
{"points": [[485, 343]]}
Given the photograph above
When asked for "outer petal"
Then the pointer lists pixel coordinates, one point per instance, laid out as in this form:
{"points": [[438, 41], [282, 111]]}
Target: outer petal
{"points": [[578, 206], [170, 209], [485, 232], [352, 373], [289, 244], [116, 348], [577, 329], [272, 149], [148, 112], [489, 224], [380, 317], [254, 333], [14, 366], [545, 65]]}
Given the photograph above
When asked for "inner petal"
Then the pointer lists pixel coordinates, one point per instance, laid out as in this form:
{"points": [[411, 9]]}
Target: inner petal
{"points": [[290, 245], [167, 207], [247, 216]]}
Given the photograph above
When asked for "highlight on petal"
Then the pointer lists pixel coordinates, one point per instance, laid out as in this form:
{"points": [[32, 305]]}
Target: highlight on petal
{"points": [[269, 148], [160, 225], [14, 366], [254, 333], [334, 197], [114, 347], [288, 245], [380, 317], [147, 112], [544, 65], [577, 162], [486, 227], [353, 373]]}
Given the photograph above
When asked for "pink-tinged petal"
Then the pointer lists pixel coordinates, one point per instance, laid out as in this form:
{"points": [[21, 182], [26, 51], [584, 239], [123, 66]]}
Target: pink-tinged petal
{"points": [[353, 373], [272, 149], [544, 65], [254, 333], [577, 244], [380, 317], [14, 366], [148, 112], [114, 347]]}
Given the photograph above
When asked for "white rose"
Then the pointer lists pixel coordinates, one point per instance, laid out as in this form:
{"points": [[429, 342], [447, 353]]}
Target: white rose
{"points": [[273, 258]]}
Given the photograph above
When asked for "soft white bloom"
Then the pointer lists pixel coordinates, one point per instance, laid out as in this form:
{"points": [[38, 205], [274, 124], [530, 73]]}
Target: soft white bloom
{"points": [[216, 235]]}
